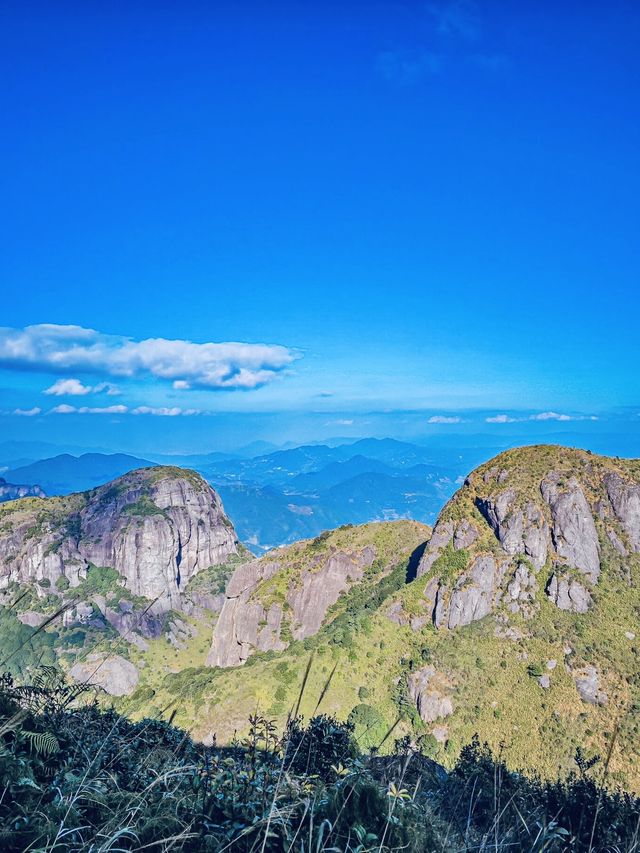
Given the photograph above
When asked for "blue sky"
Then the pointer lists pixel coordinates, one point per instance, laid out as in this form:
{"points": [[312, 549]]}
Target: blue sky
{"points": [[420, 207]]}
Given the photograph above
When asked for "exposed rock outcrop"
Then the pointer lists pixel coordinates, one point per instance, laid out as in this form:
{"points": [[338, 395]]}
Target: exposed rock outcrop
{"points": [[625, 500], [428, 689], [574, 533], [157, 527], [519, 530], [516, 515], [473, 597], [115, 675], [588, 685], [11, 492], [569, 594], [288, 595], [247, 623]]}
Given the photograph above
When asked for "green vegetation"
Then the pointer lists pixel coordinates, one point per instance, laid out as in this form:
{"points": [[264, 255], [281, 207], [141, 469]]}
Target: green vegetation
{"points": [[214, 579], [24, 649], [76, 778], [143, 507], [450, 564]]}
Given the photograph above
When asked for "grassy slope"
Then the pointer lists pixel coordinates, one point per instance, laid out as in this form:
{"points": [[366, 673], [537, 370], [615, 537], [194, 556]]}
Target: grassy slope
{"points": [[212, 700]]}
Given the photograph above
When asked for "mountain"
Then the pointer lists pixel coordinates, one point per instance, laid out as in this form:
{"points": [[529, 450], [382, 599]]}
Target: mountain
{"points": [[517, 619], [63, 474], [291, 494], [283, 496], [155, 527], [337, 472], [11, 491], [266, 517], [287, 596], [14, 454]]}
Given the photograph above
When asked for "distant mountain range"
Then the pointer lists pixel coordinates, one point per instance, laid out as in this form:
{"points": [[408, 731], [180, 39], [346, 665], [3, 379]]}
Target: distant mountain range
{"points": [[279, 497], [65, 473]]}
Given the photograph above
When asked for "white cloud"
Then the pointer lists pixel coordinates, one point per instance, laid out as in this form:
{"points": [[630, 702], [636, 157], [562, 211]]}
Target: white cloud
{"points": [[443, 419], [68, 388], [555, 416], [542, 416], [53, 348], [28, 413], [162, 411], [65, 409], [103, 410], [75, 388], [550, 416], [500, 419]]}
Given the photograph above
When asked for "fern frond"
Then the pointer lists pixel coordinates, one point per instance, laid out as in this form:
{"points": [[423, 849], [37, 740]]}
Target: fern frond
{"points": [[44, 744]]}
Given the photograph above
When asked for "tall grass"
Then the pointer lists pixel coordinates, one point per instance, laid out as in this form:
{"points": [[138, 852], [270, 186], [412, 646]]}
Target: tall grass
{"points": [[74, 777]]}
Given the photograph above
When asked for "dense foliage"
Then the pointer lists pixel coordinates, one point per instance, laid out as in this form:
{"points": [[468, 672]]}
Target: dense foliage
{"points": [[75, 778]]}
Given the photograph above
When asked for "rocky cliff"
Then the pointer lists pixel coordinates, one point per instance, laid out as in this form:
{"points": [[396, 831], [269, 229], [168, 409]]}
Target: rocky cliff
{"points": [[157, 527], [12, 492], [538, 518], [287, 595]]}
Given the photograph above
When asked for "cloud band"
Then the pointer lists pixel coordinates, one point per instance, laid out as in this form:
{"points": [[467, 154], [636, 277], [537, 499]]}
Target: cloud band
{"points": [[74, 349]]}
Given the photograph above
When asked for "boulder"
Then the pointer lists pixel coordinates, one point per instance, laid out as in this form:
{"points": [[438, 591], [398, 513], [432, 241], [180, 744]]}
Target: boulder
{"points": [[115, 675], [427, 689], [588, 685], [569, 594]]}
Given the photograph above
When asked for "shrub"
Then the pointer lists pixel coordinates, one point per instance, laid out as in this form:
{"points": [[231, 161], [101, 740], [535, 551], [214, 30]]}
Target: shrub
{"points": [[320, 748], [369, 726]]}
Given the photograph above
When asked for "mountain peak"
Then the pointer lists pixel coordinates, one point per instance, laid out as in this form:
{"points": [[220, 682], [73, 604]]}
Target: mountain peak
{"points": [[541, 517], [157, 527]]}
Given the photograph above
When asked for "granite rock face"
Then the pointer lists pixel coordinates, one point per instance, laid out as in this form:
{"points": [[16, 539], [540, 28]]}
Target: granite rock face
{"points": [[569, 594], [519, 530], [428, 690], [11, 492], [115, 675], [574, 533], [245, 625], [249, 621], [157, 527], [513, 517], [473, 597], [625, 500]]}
